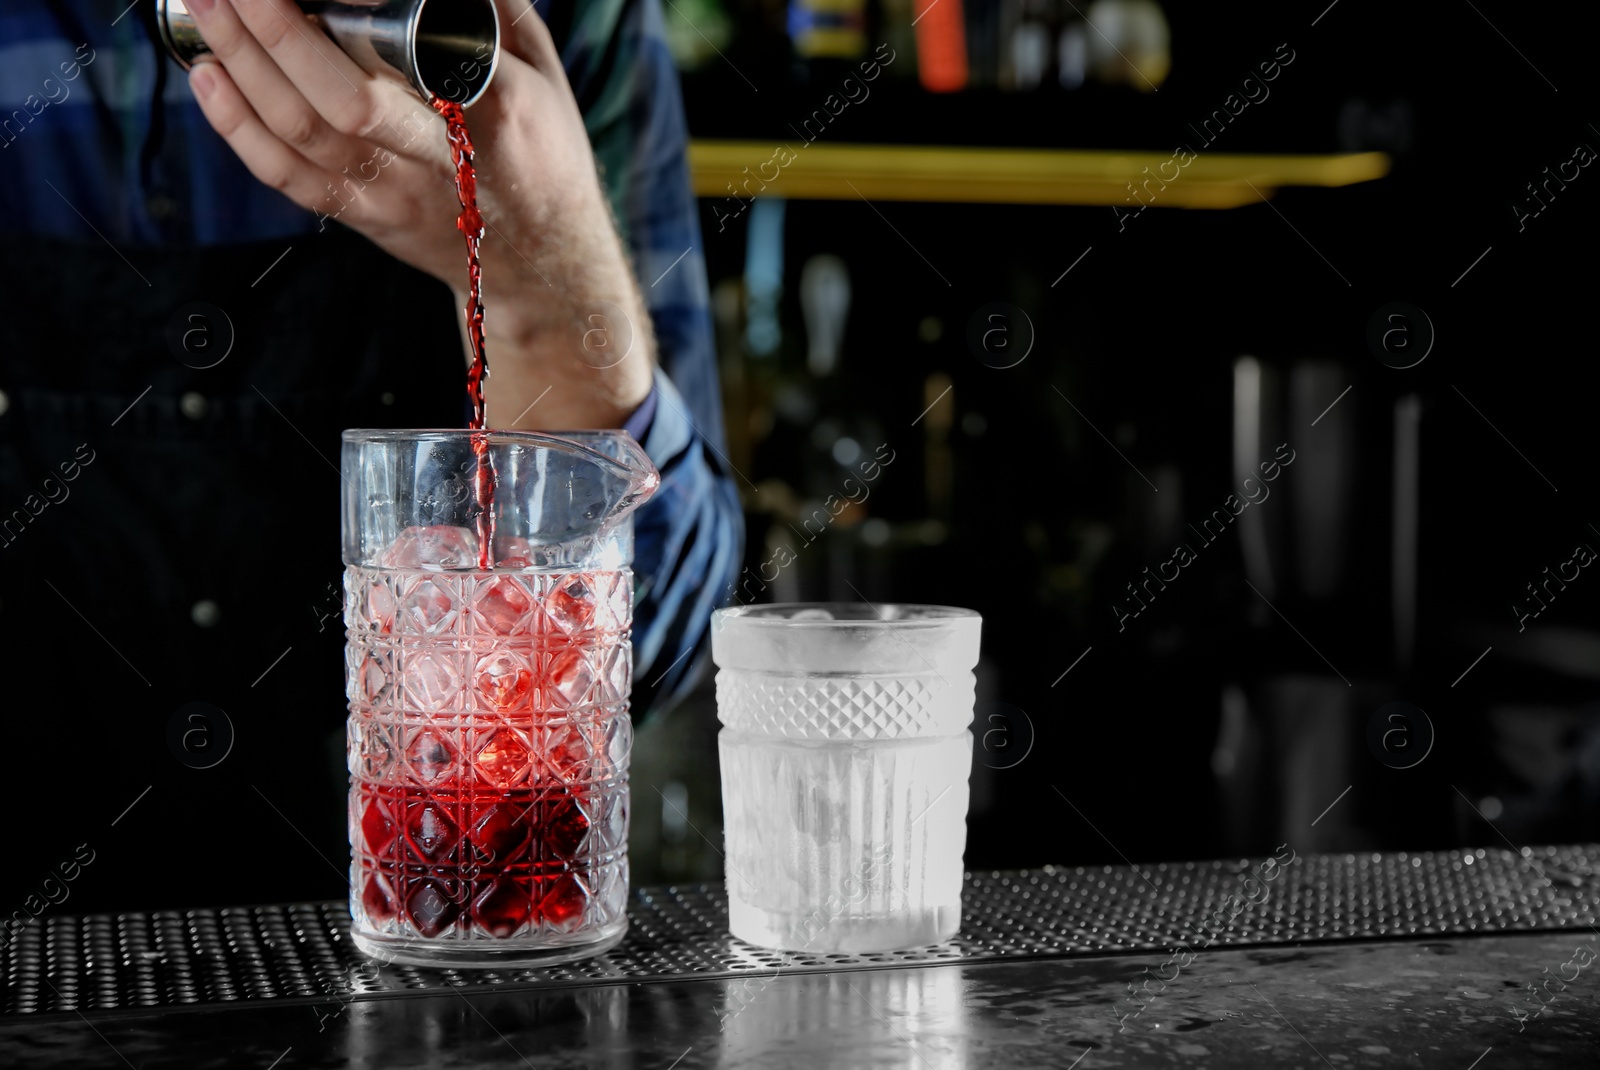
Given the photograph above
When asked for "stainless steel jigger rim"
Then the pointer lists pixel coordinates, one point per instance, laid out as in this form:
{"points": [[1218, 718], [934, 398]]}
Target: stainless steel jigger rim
{"points": [[415, 62], [184, 59], [164, 26]]}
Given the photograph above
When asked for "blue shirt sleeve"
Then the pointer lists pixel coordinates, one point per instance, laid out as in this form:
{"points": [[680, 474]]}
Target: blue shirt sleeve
{"points": [[687, 546], [688, 542], [638, 425], [92, 146]]}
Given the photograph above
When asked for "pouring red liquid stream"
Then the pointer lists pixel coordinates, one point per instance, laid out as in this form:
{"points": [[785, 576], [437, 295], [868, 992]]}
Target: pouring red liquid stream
{"points": [[493, 856], [470, 224]]}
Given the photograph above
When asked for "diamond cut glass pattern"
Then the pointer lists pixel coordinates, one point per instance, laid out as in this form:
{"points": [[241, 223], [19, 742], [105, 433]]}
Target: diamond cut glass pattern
{"points": [[503, 607], [489, 773], [845, 752], [503, 758], [793, 707], [429, 608], [488, 605]]}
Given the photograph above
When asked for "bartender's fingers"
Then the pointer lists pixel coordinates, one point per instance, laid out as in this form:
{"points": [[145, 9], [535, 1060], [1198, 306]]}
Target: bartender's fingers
{"points": [[281, 106], [531, 82], [352, 101], [263, 152]]}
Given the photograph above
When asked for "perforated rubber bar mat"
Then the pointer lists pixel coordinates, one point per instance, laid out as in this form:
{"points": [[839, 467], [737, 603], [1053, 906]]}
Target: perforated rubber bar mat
{"points": [[302, 952]]}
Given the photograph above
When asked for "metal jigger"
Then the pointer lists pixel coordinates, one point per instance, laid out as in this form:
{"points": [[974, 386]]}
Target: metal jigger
{"points": [[442, 48]]}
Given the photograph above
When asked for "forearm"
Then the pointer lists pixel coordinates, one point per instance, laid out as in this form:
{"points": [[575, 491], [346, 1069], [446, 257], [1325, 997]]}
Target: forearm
{"points": [[568, 340], [300, 116]]}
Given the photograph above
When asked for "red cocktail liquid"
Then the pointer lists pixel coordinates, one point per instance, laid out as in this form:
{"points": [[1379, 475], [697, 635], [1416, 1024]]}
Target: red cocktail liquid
{"points": [[492, 860], [470, 223], [489, 736]]}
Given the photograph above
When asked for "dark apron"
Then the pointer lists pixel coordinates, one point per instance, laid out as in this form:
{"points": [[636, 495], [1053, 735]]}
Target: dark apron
{"points": [[193, 555]]}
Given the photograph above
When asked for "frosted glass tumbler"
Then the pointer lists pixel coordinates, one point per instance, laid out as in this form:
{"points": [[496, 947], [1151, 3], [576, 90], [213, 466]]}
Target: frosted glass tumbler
{"points": [[845, 751]]}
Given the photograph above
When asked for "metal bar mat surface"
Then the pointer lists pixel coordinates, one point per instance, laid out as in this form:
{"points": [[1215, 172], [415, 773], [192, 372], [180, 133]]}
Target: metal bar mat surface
{"points": [[302, 952]]}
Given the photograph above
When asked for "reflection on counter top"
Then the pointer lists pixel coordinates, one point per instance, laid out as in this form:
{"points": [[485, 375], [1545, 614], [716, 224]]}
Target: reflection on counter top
{"points": [[1375, 1004], [1397, 959]]}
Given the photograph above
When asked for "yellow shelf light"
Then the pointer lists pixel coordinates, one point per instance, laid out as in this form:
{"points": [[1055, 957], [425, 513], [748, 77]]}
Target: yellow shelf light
{"points": [[1012, 176]]}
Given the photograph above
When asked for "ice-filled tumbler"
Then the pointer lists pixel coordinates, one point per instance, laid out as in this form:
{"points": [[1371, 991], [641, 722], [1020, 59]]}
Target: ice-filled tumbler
{"points": [[488, 668], [845, 751]]}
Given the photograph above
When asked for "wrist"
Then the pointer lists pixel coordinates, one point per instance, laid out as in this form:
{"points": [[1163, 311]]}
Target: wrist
{"points": [[567, 363], [568, 338]]}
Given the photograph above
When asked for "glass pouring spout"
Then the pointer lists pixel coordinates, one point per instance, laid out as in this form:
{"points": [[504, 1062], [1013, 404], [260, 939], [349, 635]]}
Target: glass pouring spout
{"points": [[440, 48], [561, 500]]}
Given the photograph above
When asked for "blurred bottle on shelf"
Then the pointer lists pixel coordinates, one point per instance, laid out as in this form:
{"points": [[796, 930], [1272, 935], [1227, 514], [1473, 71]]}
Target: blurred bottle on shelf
{"points": [[828, 29], [825, 303], [1072, 55], [950, 45], [763, 277], [939, 456], [896, 31], [1056, 43], [1129, 43], [1024, 43], [983, 43], [697, 31], [941, 45]]}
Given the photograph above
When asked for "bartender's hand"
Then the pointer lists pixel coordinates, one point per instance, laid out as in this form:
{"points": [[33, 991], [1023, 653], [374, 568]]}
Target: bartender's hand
{"points": [[367, 151]]}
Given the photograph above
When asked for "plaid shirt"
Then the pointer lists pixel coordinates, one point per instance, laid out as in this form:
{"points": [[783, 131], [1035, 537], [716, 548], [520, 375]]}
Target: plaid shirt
{"points": [[102, 143]]}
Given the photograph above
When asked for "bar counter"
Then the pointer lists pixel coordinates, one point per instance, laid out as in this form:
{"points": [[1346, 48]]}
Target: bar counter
{"points": [[1464, 959]]}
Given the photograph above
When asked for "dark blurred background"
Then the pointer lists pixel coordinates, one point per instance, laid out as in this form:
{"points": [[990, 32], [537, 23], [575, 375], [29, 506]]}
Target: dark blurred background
{"points": [[1183, 348], [1353, 663]]}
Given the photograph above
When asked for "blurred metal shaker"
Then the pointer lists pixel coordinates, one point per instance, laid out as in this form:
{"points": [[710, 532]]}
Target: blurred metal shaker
{"points": [[440, 48]]}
